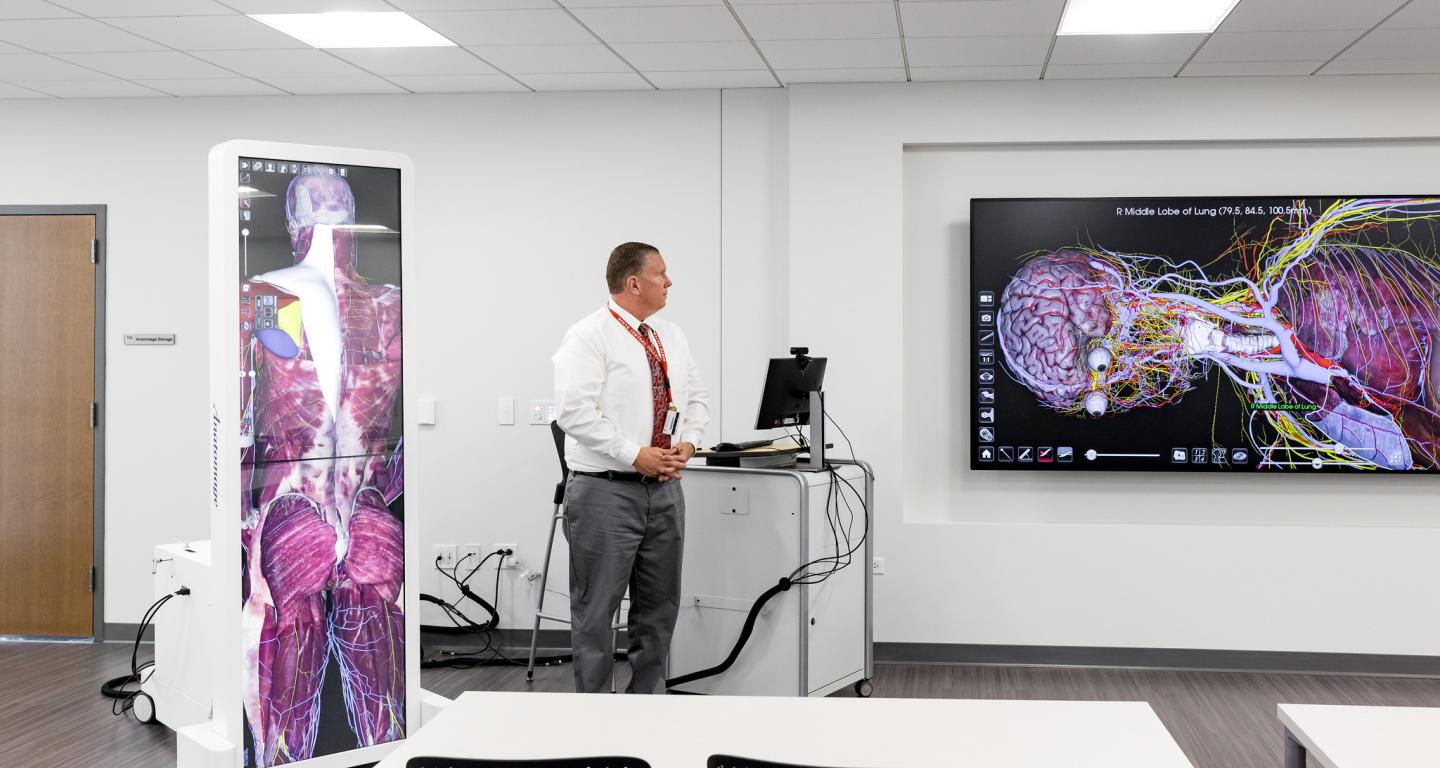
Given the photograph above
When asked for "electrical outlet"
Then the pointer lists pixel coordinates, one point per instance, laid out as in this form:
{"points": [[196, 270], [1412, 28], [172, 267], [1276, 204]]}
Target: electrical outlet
{"points": [[470, 556], [446, 554], [877, 566], [508, 561]]}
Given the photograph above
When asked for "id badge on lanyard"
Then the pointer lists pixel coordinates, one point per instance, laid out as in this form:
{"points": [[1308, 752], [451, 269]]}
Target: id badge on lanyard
{"points": [[672, 420]]}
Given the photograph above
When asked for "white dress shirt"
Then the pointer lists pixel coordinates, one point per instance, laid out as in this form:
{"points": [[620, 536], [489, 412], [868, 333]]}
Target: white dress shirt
{"points": [[603, 398]]}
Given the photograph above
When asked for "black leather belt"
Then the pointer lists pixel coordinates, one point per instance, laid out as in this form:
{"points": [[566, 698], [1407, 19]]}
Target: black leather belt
{"points": [[624, 477]]}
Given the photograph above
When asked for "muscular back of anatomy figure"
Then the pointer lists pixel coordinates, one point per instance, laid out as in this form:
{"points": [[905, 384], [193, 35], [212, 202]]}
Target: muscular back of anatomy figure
{"points": [[324, 561]]}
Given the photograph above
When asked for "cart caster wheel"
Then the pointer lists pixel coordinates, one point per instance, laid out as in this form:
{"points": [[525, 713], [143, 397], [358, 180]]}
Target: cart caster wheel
{"points": [[863, 689], [143, 707]]}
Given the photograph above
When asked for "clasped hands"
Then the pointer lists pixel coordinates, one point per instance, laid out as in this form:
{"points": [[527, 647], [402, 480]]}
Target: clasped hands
{"points": [[664, 463]]}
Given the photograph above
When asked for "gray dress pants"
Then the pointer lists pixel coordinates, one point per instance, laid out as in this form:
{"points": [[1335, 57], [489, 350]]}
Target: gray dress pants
{"points": [[623, 533]]}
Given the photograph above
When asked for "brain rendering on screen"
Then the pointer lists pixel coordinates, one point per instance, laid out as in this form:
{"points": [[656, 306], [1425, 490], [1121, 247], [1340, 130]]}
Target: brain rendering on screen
{"points": [[323, 614], [1322, 321]]}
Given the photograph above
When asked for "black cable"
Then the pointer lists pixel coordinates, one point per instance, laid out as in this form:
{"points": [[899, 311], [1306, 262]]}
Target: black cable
{"points": [[115, 687], [783, 586]]}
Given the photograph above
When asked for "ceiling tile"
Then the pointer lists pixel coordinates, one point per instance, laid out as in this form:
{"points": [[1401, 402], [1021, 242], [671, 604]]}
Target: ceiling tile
{"points": [[1249, 68], [1418, 14], [458, 83], [1396, 44], [1305, 15], [976, 51], [785, 2], [1276, 46], [272, 64], [1107, 71], [819, 21], [951, 74], [686, 57], [472, 5], [507, 27], [415, 61], [209, 33], [981, 18], [218, 86], [832, 54], [614, 81], [682, 24], [573, 4], [1415, 66], [16, 92], [1124, 49], [750, 78], [71, 36], [307, 6], [149, 64], [552, 59], [109, 8], [882, 75], [91, 89], [34, 66], [335, 85], [32, 9]]}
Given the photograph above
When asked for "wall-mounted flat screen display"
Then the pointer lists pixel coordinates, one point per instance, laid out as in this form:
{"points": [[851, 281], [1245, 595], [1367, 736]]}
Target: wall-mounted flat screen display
{"points": [[321, 439], [1247, 334]]}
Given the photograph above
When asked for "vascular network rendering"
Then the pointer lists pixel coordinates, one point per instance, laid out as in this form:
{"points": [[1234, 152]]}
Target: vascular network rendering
{"points": [[1329, 332], [323, 554]]}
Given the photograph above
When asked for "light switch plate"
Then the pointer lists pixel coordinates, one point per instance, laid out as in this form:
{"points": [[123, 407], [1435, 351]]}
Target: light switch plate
{"points": [[505, 411], [427, 410]]}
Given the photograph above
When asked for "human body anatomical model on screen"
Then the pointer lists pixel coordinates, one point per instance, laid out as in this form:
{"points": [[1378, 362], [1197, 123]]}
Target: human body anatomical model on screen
{"points": [[323, 553], [1332, 334]]}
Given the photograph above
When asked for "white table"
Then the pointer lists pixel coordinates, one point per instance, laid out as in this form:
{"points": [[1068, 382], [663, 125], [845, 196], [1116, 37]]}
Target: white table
{"points": [[683, 731], [1360, 737]]}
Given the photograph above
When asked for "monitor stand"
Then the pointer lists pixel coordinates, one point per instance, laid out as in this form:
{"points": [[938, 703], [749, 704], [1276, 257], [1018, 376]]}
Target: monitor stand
{"points": [[816, 462]]}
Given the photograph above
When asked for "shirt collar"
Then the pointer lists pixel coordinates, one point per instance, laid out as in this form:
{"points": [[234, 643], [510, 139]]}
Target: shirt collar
{"points": [[626, 316]]}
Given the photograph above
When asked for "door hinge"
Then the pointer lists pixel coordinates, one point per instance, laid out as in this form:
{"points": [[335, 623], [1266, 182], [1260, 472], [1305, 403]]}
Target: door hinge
{"points": [[94, 415], [94, 251], [92, 578]]}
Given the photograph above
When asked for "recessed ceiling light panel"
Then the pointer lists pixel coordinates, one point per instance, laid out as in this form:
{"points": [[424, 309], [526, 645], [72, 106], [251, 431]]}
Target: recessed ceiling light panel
{"points": [[1143, 17], [344, 29]]}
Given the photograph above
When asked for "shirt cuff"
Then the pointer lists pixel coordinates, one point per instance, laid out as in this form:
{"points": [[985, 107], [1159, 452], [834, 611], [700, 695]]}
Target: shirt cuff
{"points": [[692, 437], [628, 452]]}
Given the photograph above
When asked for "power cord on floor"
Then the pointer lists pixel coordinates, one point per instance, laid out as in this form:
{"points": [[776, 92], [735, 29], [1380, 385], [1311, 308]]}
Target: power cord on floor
{"points": [[137, 702]]}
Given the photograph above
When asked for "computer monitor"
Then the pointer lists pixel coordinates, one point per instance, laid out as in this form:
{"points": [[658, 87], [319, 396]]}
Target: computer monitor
{"points": [[788, 384]]}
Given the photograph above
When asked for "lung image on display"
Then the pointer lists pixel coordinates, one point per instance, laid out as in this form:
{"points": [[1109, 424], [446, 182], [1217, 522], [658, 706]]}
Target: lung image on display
{"points": [[1204, 333]]}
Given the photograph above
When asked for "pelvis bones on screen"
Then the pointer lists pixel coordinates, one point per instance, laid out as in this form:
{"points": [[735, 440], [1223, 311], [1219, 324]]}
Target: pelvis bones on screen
{"points": [[1332, 334]]}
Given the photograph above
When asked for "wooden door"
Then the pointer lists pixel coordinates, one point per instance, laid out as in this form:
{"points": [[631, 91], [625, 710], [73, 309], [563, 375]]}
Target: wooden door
{"points": [[47, 443]]}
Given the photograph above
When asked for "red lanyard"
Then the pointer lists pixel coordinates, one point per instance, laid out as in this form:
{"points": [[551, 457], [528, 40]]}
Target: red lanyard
{"points": [[659, 357]]}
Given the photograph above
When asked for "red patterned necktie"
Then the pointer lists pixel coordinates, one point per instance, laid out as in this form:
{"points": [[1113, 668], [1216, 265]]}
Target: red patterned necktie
{"points": [[659, 396]]}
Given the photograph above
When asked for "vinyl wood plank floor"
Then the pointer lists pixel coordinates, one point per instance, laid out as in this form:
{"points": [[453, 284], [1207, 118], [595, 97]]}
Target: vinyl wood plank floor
{"points": [[53, 713]]}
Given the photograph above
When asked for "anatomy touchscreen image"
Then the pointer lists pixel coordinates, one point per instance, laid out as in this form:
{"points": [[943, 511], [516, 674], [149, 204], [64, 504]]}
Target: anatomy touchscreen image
{"points": [[1257, 334], [321, 463]]}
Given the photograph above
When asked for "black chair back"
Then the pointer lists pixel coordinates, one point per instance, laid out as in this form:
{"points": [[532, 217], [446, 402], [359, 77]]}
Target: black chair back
{"points": [[730, 761], [559, 435], [564, 762]]}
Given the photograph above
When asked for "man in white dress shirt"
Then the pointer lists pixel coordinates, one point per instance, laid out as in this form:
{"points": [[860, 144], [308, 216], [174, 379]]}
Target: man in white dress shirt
{"points": [[633, 407]]}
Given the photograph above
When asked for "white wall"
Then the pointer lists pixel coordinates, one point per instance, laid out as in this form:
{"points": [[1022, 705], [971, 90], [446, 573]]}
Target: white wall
{"points": [[787, 217], [1339, 564], [520, 198]]}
